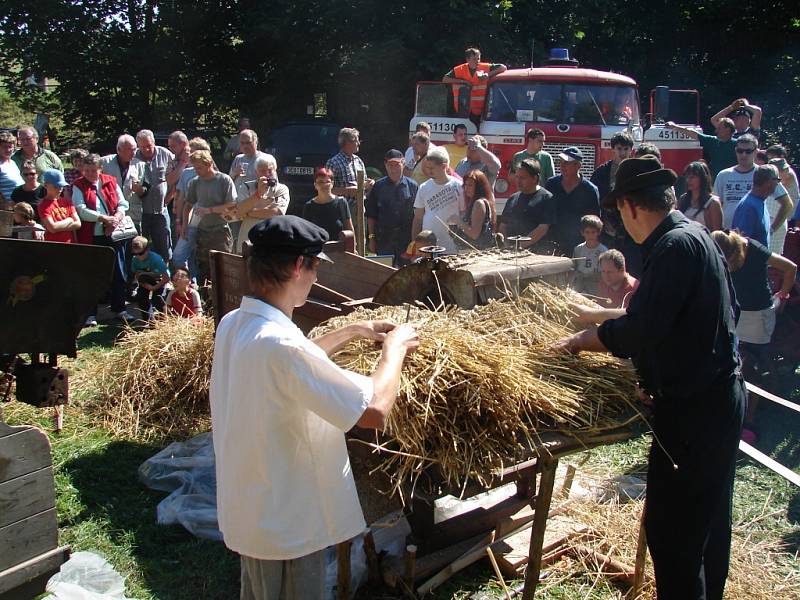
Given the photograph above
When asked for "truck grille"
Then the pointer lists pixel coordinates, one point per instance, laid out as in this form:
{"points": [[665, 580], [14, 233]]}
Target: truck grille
{"points": [[587, 166]]}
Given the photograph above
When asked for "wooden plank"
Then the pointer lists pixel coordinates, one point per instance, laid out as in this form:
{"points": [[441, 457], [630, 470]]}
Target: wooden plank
{"points": [[27, 495], [512, 553], [343, 569], [353, 275], [47, 563], [641, 559], [25, 450], [28, 538], [768, 462], [543, 498], [754, 389]]}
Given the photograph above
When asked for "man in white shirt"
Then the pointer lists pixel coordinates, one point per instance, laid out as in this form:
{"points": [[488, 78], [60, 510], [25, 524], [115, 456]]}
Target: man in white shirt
{"points": [[280, 407], [438, 201], [731, 185]]}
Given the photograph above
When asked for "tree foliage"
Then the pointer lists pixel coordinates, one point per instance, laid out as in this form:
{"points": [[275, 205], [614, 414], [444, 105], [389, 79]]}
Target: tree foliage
{"points": [[124, 64]]}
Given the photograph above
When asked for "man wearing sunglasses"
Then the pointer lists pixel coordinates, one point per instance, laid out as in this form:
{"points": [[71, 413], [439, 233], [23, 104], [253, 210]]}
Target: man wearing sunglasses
{"points": [[30, 191], [733, 183]]}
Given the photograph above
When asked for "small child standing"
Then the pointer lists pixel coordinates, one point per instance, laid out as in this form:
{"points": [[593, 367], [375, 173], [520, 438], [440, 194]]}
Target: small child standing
{"points": [[151, 274], [412, 254], [183, 300], [586, 255]]}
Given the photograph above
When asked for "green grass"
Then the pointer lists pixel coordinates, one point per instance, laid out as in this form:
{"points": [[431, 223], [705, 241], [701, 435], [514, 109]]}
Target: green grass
{"points": [[103, 508]]}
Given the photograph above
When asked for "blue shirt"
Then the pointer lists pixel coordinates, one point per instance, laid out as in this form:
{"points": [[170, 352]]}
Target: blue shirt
{"points": [[570, 208], [392, 204], [153, 263], [752, 219]]}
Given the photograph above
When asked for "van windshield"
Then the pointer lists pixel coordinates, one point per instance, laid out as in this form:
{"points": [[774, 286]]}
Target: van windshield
{"points": [[553, 102]]}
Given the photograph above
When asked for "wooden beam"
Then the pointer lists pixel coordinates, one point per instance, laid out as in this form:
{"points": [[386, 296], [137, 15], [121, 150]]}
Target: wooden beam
{"points": [[543, 498], [754, 389], [47, 562], [343, 570], [768, 462]]}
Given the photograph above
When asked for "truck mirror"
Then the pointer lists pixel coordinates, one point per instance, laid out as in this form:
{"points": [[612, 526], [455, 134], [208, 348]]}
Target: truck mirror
{"points": [[661, 104]]}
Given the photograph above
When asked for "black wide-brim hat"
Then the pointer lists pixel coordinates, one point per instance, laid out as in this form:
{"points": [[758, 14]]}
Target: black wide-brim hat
{"points": [[636, 174]]}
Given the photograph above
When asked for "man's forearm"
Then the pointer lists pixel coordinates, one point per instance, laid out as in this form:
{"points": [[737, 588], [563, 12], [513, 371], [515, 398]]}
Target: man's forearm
{"points": [[447, 79], [685, 130], [386, 383], [488, 158], [333, 341], [536, 235], [586, 341], [416, 227], [344, 191], [784, 212]]}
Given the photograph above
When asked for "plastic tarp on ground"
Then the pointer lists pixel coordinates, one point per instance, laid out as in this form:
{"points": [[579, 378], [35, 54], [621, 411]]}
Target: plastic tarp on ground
{"points": [[186, 470], [86, 576]]}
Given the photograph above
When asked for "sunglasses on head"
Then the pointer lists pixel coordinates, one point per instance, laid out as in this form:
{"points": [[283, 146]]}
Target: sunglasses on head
{"points": [[745, 150]]}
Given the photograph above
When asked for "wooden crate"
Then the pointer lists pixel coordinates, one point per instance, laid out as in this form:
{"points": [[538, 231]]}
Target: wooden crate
{"points": [[29, 551]]}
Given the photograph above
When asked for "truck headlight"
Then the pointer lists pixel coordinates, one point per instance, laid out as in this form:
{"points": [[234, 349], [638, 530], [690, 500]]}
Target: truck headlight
{"points": [[501, 186]]}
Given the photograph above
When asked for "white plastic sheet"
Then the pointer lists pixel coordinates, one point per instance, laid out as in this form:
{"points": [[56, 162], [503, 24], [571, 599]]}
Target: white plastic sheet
{"points": [[87, 576]]}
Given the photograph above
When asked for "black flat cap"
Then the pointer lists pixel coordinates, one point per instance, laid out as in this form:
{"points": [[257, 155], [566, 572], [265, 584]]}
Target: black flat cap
{"points": [[287, 234], [636, 174], [393, 155]]}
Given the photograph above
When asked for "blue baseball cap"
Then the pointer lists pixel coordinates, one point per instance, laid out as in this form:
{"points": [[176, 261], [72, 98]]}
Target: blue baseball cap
{"points": [[54, 177], [571, 153]]}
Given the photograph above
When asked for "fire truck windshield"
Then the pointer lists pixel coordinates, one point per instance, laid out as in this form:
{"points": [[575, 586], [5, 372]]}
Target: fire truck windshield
{"points": [[555, 102]]}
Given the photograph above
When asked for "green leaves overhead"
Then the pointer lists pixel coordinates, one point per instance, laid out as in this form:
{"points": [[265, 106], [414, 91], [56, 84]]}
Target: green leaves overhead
{"points": [[122, 64]]}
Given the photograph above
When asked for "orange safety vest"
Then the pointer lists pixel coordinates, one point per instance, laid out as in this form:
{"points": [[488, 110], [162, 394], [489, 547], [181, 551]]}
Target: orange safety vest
{"points": [[478, 91]]}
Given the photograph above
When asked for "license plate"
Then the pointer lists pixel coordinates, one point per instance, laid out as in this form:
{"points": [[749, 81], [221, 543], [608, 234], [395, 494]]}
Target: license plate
{"points": [[299, 170]]}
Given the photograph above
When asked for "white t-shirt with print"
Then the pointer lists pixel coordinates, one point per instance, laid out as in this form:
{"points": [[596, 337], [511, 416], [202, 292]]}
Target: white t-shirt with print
{"points": [[442, 203]]}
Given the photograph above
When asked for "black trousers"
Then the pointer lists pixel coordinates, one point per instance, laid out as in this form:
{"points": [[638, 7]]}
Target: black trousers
{"points": [[688, 510], [119, 280]]}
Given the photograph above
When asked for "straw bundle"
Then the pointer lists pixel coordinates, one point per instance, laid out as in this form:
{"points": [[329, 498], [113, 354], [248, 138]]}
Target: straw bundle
{"points": [[155, 382], [759, 570], [483, 385]]}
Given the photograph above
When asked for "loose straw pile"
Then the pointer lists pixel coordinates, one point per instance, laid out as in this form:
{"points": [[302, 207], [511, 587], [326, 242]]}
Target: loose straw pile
{"points": [[155, 382], [484, 384], [759, 570]]}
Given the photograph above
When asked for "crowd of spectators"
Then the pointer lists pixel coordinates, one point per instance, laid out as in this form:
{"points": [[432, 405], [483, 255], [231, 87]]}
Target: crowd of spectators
{"points": [[181, 206]]}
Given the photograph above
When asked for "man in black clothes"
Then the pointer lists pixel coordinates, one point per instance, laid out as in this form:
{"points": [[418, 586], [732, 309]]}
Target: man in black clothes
{"points": [[604, 177], [575, 197], [531, 211], [679, 331]]}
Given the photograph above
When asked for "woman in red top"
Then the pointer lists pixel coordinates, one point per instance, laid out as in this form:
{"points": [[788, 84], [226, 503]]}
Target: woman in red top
{"points": [[59, 217]]}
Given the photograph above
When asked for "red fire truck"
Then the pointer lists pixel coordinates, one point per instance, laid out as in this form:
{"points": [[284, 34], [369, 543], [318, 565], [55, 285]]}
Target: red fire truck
{"points": [[573, 106]]}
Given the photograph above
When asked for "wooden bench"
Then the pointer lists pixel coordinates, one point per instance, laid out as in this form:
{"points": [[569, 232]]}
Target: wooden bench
{"points": [[29, 551]]}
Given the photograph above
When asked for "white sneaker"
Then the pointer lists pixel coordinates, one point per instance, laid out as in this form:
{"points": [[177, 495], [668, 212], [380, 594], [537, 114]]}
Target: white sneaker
{"points": [[91, 322], [125, 316]]}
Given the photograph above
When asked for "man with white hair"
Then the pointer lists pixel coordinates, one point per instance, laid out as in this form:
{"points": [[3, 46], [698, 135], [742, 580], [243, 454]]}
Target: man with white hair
{"points": [[438, 200], [126, 169], [178, 144], [264, 197], [152, 190], [29, 149]]}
